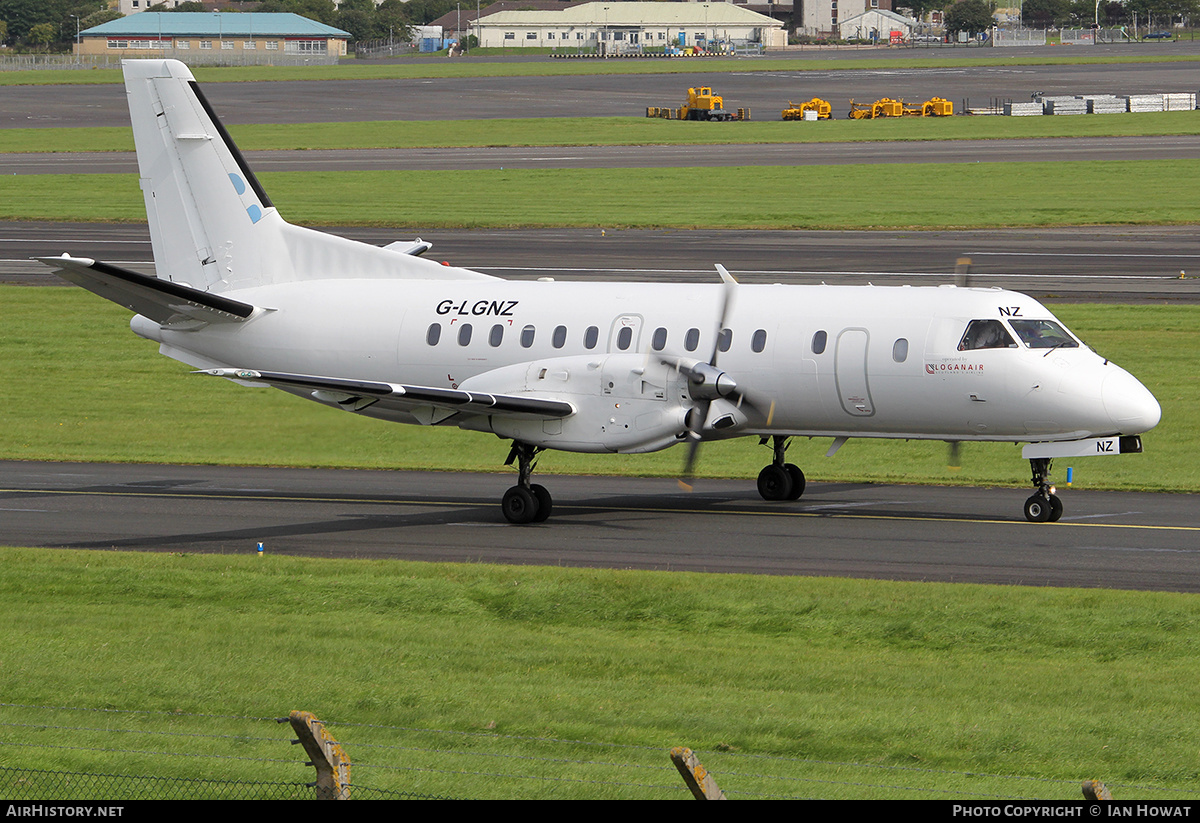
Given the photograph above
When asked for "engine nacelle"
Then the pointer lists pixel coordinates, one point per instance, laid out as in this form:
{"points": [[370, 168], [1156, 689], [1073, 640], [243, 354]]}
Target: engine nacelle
{"points": [[642, 407]]}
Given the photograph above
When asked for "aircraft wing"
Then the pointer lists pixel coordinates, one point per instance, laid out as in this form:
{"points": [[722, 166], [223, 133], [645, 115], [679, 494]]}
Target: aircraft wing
{"points": [[358, 394], [163, 301]]}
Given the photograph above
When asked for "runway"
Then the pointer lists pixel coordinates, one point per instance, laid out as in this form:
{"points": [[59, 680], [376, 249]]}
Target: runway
{"points": [[1115, 264], [1106, 539], [765, 93]]}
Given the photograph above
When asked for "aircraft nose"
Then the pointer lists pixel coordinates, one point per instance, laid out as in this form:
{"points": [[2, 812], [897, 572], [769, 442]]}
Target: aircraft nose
{"points": [[1129, 404]]}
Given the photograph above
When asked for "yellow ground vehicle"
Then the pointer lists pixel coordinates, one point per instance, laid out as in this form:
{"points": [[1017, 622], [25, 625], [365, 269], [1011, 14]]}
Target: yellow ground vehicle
{"points": [[701, 104], [884, 107], [795, 111]]}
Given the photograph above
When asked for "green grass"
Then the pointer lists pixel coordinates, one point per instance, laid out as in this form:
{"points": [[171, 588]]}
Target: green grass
{"points": [[83, 387], [786, 686], [618, 131], [364, 70], [922, 196]]}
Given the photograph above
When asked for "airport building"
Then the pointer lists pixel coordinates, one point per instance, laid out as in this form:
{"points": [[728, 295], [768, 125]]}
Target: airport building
{"points": [[629, 26], [202, 37]]}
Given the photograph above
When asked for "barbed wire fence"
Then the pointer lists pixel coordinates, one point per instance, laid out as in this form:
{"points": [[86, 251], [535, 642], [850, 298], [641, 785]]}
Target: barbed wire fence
{"points": [[65, 753]]}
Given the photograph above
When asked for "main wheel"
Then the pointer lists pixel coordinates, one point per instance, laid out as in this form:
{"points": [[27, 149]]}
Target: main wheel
{"points": [[1038, 509], [774, 483], [1056, 508], [519, 505], [544, 503], [797, 477]]}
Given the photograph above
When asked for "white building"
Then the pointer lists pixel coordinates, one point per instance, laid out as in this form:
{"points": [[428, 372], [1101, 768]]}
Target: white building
{"points": [[621, 26], [876, 24]]}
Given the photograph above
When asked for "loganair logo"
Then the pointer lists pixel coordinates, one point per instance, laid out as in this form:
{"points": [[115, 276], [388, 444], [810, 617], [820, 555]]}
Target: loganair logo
{"points": [[239, 185], [953, 368]]}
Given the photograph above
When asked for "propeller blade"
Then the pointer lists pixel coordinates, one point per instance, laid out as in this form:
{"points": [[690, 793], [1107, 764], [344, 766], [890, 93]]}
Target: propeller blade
{"points": [[962, 272], [954, 463]]}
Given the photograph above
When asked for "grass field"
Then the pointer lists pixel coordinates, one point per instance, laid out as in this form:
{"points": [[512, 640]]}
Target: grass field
{"points": [[104, 394], [617, 131], [570, 683], [923, 196], [363, 70]]}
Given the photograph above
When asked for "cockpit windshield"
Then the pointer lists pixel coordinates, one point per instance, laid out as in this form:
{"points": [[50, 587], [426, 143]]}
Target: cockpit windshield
{"points": [[1043, 334], [986, 334]]}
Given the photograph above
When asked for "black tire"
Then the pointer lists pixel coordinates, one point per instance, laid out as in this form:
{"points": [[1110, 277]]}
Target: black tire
{"points": [[544, 502], [1037, 509], [1056, 509], [798, 482], [519, 505], [774, 483]]}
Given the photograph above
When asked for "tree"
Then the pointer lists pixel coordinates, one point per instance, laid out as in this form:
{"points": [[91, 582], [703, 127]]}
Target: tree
{"points": [[1043, 14], [971, 16], [41, 35], [920, 8]]}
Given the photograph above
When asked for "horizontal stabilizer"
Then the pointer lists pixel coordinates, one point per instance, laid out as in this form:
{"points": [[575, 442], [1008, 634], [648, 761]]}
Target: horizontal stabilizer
{"points": [[162, 301], [356, 394]]}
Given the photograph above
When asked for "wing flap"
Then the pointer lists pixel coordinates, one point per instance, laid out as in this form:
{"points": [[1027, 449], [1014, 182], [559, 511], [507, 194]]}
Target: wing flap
{"points": [[162, 301], [352, 393]]}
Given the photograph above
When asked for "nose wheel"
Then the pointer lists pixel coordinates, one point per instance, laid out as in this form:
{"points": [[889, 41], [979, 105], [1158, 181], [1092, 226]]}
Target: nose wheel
{"points": [[1044, 506], [525, 502]]}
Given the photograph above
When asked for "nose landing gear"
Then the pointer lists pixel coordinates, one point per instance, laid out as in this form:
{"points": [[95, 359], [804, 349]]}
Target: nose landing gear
{"points": [[1044, 506]]}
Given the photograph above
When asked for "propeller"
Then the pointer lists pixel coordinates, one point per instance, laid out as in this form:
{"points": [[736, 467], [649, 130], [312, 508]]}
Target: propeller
{"points": [[706, 382], [954, 462]]}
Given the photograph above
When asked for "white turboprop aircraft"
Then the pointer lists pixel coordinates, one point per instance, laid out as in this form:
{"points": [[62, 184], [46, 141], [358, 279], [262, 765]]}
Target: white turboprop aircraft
{"points": [[586, 367]]}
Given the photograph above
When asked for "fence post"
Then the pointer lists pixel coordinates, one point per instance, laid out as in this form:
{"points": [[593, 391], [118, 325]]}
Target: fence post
{"points": [[325, 755], [695, 775]]}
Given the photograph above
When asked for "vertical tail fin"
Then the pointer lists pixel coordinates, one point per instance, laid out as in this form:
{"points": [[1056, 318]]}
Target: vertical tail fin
{"points": [[211, 224]]}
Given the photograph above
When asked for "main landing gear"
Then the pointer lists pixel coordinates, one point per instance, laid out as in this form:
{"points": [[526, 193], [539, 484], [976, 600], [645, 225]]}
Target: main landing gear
{"points": [[1044, 506], [525, 502], [780, 480]]}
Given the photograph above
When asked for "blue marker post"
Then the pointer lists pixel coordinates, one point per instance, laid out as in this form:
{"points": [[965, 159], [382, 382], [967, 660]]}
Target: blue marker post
{"points": [[1070, 476], [260, 546]]}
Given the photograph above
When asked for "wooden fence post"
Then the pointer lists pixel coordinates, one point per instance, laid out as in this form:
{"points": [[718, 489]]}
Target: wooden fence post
{"points": [[695, 775], [325, 755]]}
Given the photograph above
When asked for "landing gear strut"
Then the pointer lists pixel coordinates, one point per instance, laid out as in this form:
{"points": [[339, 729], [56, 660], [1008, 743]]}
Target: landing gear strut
{"points": [[780, 480], [1044, 506], [525, 502]]}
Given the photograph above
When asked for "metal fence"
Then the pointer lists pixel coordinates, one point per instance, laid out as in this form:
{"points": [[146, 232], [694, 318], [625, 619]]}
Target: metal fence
{"points": [[193, 57], [39, 784], [1019, 37]]}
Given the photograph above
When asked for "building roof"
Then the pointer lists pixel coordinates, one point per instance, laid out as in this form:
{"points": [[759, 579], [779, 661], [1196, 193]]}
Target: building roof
{"points": [[467, 15], [635, 14], [890, 16], [213, 24]]}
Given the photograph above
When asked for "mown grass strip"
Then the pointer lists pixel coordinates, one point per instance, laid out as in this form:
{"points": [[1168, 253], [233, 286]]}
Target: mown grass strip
{"points": [[103, 394], [863, 689], [618, 131], [924, 196], [435, 68]]}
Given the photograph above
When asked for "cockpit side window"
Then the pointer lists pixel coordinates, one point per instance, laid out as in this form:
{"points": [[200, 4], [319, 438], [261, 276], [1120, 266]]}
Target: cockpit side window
{"points": [[986, 334], [1043, 334]]}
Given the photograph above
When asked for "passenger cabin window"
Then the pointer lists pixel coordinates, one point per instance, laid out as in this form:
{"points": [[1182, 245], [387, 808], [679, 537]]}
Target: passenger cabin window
{"points": [[1043, 334], [986, 334], [464, 334], [820, 339], [434, 334], [900, 350], [624, 338], [692, 339], [590, 337], [759, 341], [559, 338], [659, 341], [496, 337], [527, 334], [725, 339]]}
